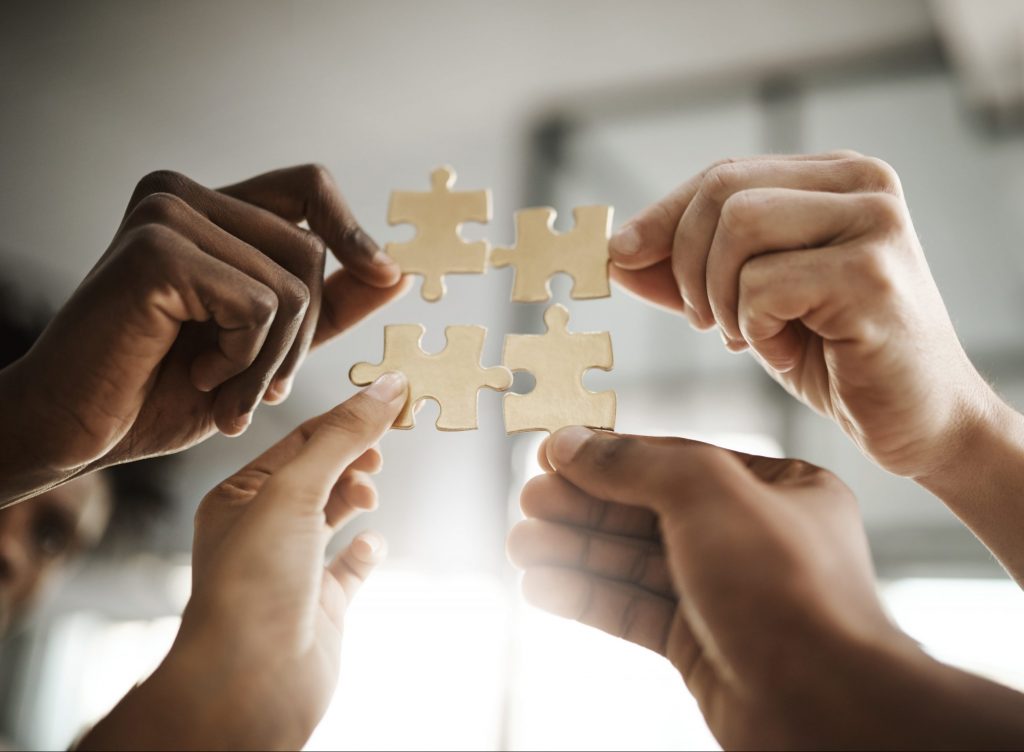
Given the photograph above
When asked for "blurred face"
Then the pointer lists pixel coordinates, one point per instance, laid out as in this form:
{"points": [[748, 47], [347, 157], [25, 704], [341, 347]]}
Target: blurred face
{"points": [[39, 536]]}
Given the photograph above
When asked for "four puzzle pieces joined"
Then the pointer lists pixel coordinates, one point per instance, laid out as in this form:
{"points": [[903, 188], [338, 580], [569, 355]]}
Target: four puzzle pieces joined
{"points": [[437, 249], [541, 252], [558, 360], [452, 377]]}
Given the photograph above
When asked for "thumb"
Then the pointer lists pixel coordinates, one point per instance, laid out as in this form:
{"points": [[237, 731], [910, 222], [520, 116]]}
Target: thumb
{"points": [[662, 474], [648, 237]]}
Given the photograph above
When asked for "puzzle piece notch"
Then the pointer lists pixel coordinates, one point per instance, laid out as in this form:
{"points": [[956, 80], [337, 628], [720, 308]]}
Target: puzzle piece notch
{"points": [[437, 248], [451, 377], [558, 359], [541, 252]]}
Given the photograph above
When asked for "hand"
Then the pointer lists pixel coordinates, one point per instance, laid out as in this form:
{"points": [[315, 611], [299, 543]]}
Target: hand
{"points": [[205, 303], [753, 577], [255, 662], [813, 262]]}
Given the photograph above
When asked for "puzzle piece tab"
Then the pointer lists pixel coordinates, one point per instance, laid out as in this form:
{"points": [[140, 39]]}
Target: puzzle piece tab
{"points": [[437, 249], [541, 252], [558, 360], [451, 377]]}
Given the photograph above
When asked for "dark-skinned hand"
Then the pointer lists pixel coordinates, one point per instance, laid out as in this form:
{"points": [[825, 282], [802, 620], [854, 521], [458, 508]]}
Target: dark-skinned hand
{"points": [[204, 305]]}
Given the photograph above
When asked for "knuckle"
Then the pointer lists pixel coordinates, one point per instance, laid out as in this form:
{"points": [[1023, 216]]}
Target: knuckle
{"points": [[873, 268], [309, 256], [721, 163], [843, 154], [159, 207], [721, 181], [608, 454], [317, 177], [796, 469], [708, 458], [878, 174], [314, 251], [294, 296], [819, 477], [148, 234], [149, 241], [753, 280], [263, 304], [886, 211], [739, 212], [161, 181]]}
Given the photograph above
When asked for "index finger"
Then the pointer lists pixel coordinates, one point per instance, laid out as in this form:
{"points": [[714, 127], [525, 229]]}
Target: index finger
{"points": [[340, 437], [309, 192], [648, 236], [347, 301]]}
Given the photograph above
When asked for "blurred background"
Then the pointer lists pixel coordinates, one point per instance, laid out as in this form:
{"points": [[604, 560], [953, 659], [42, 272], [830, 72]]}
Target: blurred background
{"points": [[557, 104]]}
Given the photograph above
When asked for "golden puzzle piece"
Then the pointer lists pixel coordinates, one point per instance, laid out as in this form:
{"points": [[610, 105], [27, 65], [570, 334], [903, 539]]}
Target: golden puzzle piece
{"points": [[451, 377], [438, 249], [558, 360], [541, 252]]}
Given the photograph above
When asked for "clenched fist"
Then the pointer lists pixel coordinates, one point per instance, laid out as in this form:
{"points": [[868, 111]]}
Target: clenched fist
{"points": [[205, 303], [813, 263]]}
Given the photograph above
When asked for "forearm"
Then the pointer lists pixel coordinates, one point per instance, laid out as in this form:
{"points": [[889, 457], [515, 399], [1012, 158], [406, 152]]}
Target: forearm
{"points": [[192, 702], [900, 698], [983, 483], [28, 462], [888, 694]]}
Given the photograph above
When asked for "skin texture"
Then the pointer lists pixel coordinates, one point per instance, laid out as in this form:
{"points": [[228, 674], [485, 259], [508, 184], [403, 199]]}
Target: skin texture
{"points": [[255, 662], [752, 576], [205, 303], [38, 539], [812, 262]]}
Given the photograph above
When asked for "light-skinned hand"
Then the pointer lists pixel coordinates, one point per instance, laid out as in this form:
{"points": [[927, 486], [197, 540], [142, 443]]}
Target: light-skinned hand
{"points": [[255, 662]]}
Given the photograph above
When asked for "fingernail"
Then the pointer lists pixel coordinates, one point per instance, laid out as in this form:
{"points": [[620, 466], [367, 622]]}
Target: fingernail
{"points": [[241, 423], [567, 442], [373, 541], [732, 345], [387, 388], [626, 242], [280, 389]]}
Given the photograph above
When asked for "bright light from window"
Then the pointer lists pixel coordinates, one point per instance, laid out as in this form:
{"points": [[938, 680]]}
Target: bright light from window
{"points": [[454, 661], [574, 687], [423, 665], [970, 623]]}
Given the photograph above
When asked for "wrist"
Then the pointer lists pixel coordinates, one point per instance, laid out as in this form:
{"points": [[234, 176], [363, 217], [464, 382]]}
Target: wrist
{"points": [[979, 429], [195, 699], [832, 697], [981, 480]]}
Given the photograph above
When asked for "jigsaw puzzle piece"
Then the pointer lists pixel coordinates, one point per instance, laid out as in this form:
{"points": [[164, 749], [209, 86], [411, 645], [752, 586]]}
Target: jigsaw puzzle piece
{"points": [[437, 248], [558, 360], [451, 377], [541, 252]]}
